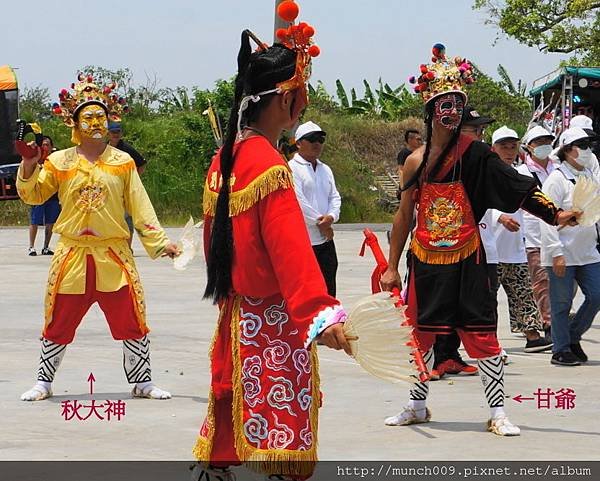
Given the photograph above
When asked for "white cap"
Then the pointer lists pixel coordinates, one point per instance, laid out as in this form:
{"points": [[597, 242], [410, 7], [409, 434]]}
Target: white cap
{"points": [[582, 121], [572, 134], [504, 133], [307, 128], [535, 133]]}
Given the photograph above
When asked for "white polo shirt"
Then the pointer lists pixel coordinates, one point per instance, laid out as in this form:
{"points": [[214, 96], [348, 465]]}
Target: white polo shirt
{"points": [[316, 193]]}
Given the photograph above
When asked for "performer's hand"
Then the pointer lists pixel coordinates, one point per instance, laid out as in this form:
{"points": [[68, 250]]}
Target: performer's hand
{"points": [[568, 218], [390, 279], [334, 338], [171, 251], [30, 164], [509, 223], [559, 266]]}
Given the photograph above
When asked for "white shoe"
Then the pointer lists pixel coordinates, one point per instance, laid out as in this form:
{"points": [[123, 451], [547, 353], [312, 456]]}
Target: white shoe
{"points": [[502, 427], [150, 392], [36, 393], [407, 417]]}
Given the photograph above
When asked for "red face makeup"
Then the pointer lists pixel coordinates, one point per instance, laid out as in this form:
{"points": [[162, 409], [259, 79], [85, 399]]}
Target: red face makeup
{"points": [[448, 110]]}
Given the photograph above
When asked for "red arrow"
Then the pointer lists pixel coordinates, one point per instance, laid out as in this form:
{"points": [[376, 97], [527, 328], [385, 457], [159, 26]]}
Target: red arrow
{"points": [[519, 398], [91, 380]]}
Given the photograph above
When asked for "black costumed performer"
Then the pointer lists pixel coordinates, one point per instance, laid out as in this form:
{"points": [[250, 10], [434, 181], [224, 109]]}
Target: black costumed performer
{"points": [[451, 182]]}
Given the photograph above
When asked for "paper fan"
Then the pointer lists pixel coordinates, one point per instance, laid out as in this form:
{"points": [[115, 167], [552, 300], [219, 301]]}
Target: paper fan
{"points": [[379, 340], [586, 200], [189, 244]]}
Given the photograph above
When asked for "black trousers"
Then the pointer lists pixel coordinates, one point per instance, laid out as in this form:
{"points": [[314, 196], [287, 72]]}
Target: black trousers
{"points": [[328, 262], [446, 345]]}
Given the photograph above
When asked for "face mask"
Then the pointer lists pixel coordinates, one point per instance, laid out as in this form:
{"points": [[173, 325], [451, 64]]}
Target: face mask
{"points": [[92, 122], [448, 110], [585, 158], [542, 151]]}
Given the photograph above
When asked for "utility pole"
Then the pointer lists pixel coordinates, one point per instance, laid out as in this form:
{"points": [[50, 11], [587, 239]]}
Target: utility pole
{"points": [[278, 23]]}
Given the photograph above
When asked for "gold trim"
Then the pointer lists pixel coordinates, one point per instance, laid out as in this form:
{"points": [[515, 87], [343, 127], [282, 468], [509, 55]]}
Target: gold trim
{"points": [[57, 271], [60, 175], [203, 448], [116, 169], [269, 461], [135, 289], [274, 178], [444, 257]]}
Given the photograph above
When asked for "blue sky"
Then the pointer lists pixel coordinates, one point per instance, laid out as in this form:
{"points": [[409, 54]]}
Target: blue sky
{"points": [[195, 42]]}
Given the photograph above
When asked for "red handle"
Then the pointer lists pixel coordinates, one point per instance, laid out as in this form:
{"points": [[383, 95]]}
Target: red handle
{"points": [[27, 151]]}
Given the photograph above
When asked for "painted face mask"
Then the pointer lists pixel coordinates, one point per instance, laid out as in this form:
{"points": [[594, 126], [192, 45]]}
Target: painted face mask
{"points": [[448, 111], [92, 122]]}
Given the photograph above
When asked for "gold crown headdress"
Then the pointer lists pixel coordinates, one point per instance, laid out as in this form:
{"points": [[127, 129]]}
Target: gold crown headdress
{"points": [[86, 92], [442, 75]]}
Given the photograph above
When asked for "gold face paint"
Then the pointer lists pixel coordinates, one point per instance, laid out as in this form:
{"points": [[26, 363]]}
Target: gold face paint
{"points": [[92, 122]]}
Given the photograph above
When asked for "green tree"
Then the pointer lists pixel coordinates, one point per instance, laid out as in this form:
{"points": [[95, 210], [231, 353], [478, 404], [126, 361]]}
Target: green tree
{"points": [[559, 26], [34, 104]]}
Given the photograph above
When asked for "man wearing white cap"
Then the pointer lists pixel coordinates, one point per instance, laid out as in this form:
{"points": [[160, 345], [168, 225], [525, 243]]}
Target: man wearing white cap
{"points": [[318, 197], [572, 254], [538, 146], [513, 273]]}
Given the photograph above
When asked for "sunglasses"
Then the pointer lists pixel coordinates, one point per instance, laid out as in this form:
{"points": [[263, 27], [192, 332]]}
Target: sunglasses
{"points": [[582, 144], [312, 138]]}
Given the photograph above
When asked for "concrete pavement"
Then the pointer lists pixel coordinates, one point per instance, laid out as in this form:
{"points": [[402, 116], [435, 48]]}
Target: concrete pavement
{"points": [[355, 404]]}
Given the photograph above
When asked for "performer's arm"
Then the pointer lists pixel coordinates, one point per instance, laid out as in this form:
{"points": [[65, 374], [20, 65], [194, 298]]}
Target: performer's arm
{"points": [[35, 185], [138, 204], [508, 190], [401, 226], [302, 285]]}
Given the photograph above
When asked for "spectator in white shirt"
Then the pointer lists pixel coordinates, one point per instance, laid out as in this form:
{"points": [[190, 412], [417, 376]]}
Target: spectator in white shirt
{"points": [[318, 197], [513, 273], [571, 254], [538, 145]]}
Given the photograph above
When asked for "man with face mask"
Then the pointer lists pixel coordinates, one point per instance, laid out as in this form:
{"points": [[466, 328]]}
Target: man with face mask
{"points": [[538, 147], [571, 255], [96, 184], [455, 180]]}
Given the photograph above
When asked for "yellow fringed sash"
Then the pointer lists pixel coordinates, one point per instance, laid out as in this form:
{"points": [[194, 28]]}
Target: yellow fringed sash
{"points": [[274, 178], [429, 256]]}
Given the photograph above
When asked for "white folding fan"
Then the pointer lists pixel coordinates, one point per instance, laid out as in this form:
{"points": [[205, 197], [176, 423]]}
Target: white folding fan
{"points": [[587, 200], [379, 339], [189, 245]]}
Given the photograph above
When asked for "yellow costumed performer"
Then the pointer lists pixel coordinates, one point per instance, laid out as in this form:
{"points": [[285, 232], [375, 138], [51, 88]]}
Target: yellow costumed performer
{"points": [[96, 185]]}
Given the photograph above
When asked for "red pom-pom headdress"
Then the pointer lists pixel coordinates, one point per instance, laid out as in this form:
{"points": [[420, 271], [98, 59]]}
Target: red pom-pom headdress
{"points": [[442, 76], [86, 92], [297, 37]]}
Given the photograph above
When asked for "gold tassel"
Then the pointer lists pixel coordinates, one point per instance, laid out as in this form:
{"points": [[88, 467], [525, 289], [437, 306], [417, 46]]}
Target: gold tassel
{"points": [[444, 257], [60, 175], [117, 169], [275, 178]]}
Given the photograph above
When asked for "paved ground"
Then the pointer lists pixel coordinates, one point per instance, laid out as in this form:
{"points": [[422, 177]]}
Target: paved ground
{"points": [[355, 404]]}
